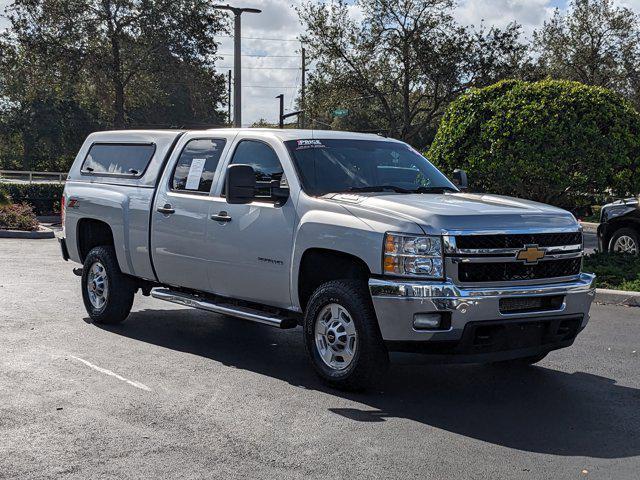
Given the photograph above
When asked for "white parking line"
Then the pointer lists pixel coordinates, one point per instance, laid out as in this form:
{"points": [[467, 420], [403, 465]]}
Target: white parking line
{"points": [[113, 374]]}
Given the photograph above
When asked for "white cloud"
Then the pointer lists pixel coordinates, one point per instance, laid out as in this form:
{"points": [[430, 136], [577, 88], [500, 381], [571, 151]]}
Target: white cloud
{"points": [[531, 14], [279, 67], [3, 21]]}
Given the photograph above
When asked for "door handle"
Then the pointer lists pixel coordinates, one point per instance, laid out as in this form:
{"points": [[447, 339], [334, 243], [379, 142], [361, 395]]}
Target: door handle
{"points": [[221, 217], [167, 210]]}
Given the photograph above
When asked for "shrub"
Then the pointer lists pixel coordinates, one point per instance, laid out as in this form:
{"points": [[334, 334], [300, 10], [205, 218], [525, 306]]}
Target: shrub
{"points": [[17, 217], [614, 270], [44, 198], [4, 198], [557, 142]]}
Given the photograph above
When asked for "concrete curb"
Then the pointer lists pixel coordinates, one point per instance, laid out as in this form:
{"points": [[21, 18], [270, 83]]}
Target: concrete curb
{"points": [[589, 227], [42, 232], [617, 297]]}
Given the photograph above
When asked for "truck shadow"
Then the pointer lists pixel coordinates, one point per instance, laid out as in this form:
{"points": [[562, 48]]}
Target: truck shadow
{"points": [[535, 409]]}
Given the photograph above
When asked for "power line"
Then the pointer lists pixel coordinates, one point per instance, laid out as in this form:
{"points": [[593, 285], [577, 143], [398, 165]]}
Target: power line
{"points": [[257, 55], [267, 86], [293, 96], [262, 38], [262, 68]]}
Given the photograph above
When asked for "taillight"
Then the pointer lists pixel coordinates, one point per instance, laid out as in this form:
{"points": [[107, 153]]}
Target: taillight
{"points": [[62, 206]]}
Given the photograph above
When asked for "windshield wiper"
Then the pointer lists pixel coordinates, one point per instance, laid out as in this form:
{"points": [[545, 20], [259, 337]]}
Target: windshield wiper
{"points": [[433, 190], [379, 188]]}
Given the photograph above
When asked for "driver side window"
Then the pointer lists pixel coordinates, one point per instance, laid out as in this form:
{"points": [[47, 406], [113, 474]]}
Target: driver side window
{"points": [[265, 163]]}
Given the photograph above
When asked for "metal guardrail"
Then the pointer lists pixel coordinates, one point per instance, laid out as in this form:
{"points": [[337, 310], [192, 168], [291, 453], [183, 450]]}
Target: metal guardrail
{"points": [[30, 176]]}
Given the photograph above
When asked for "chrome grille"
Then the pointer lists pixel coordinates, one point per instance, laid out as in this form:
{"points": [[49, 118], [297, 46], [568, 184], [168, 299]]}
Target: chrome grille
{"points": [[512, 271], [493, 258], [518, 240]]}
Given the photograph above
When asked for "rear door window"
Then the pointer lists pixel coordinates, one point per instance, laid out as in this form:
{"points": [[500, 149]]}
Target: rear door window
{"points": [[197, 165], [118, 159]]}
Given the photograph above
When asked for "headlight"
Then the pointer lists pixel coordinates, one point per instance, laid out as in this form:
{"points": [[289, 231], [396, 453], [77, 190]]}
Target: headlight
{"points": [[413, 255]]}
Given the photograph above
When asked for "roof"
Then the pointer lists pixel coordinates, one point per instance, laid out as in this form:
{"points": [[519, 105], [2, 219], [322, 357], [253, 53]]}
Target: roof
{"points": [[282, 134], [299, 134]]}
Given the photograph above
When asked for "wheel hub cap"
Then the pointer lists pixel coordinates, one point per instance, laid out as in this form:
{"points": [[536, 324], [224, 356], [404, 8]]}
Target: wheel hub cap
{"points": [[97, 285], [335, 336], [625, 244]]}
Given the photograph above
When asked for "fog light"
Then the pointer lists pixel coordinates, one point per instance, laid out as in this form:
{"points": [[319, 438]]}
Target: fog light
{"points": [[427, 321]]}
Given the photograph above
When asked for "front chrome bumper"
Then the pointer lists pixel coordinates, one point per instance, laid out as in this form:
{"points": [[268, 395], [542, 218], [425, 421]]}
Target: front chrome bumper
{"points": [[397, 301]]}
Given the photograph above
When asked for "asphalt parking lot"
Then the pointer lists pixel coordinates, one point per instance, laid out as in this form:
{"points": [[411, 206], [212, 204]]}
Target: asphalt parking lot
{"points": [[178, 393]]}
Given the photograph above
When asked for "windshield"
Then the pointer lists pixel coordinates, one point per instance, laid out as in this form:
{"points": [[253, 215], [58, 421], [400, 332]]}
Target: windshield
{"points": [[329, 166]]}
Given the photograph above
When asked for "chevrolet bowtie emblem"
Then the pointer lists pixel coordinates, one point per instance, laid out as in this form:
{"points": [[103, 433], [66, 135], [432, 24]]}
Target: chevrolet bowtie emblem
{"points": [[530, 254]]}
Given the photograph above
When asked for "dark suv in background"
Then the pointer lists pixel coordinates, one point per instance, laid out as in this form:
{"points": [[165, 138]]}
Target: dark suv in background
{"points": [[619, 229]]}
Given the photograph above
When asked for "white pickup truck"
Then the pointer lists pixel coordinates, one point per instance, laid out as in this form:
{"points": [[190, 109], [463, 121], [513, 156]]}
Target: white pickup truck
{"points": [[357, 238]]}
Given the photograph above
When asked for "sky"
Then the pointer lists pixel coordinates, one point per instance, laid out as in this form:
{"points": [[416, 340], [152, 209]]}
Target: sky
{"points": [[271, 55]]}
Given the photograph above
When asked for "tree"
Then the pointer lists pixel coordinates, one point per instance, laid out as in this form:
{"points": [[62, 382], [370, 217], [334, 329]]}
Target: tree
{"points": [[263, 123], [69, 67], [115, 42], [595, 43], [408, 58], [557, 142]]}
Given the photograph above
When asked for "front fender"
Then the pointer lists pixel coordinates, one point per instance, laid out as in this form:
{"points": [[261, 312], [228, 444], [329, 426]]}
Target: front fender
{"points": [[338, 231]]}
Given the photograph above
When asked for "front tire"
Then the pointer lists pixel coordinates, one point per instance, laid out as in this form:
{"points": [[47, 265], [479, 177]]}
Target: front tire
{"points": [[625, 240], [342, 337], [107, 293]]}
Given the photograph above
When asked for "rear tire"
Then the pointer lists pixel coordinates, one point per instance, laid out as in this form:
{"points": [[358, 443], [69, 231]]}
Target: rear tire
{"points": [[107, 293], [342, 337]]}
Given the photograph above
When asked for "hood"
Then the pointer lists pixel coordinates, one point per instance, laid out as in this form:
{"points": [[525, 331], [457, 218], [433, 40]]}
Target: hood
{"points": [[438, 213]]}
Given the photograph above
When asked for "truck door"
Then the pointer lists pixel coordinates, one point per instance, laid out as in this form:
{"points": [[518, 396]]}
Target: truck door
{"points": [[251, 244], [181, 212]]}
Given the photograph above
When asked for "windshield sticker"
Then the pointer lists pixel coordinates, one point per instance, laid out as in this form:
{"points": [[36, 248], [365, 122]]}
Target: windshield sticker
{"points": [[304, 144]]}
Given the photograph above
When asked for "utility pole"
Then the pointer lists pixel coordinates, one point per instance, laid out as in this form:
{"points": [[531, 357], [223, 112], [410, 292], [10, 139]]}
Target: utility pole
{"points": [[237, 74], [229, 99], [281, 116], [302, 90]]}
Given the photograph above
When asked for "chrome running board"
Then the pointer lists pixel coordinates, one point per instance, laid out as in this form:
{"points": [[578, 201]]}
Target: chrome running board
{"points": [[246, 313]]}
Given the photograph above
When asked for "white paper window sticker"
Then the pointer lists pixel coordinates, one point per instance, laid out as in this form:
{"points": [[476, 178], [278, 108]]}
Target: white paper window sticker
{"points": [[195, 173]]}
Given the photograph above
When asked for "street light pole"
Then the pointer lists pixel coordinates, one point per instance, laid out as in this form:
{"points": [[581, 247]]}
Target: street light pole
{"points": [[237, 53], [229, 100], [281, 115]]}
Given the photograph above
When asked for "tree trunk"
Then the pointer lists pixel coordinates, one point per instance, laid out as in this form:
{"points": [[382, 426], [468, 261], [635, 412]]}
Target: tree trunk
{"points": [[118, 84], [406, 94], [118, 104]]}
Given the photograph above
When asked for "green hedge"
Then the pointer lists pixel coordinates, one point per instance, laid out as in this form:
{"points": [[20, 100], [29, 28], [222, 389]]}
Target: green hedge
{"points": [[614, 270], [557, 142], [44, 198]]}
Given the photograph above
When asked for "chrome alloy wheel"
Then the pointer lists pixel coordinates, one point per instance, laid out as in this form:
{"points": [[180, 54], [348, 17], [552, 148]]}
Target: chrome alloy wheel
{"points": [[625, 244], [336, 337], [98, 285]]}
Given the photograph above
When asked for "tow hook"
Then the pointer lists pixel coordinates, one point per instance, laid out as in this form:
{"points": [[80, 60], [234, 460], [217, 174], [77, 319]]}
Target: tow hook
{"points": [[77, 271]]}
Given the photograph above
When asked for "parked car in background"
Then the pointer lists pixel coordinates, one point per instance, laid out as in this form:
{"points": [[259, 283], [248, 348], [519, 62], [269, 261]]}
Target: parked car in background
{"points": [[356, 238], [619, 229]]}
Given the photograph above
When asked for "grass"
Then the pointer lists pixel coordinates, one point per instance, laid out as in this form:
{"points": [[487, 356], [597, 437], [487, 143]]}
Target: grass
{"points": [[614, 270]]}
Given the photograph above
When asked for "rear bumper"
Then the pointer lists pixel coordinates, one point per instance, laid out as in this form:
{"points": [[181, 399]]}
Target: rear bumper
{"points": [[63, 248], [476, 329]]}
